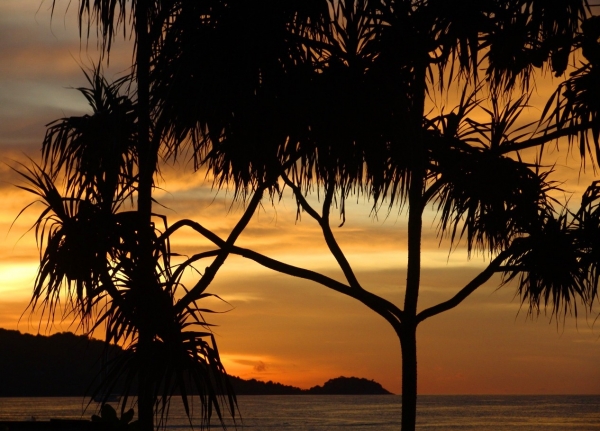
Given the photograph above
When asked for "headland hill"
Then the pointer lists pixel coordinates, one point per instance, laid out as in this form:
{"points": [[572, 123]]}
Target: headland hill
{"points": [[66, 364]]}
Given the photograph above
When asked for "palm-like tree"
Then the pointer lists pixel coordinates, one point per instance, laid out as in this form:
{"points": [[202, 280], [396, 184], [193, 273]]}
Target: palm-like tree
{"points": [[90, 260], [334, 99], [113, 265]]}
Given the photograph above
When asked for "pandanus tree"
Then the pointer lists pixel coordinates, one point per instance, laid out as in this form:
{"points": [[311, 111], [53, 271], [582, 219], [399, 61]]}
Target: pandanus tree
{"points": [[105, 255], [90, 263], [331, 96]]}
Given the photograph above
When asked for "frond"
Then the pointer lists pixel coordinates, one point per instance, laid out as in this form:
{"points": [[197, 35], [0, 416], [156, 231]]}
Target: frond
{"points": [[558, 263], [490, 198], [587, 220], [577, 109], [456, 32], [529, 34], [106, 15], [74, 238], [456, 126], [552, 267], [182, 359], [96, 153], [500, 129], [313, 97]]}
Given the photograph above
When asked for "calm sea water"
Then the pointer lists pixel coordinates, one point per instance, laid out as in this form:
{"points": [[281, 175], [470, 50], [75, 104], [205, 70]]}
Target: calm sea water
{"points": [[362, 413]]}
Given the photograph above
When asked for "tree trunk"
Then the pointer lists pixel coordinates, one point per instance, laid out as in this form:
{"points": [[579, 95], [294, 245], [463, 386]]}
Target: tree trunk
{"points": [[145, 401], [408, 329], [146, 166], [416, 188], [408, 342]]}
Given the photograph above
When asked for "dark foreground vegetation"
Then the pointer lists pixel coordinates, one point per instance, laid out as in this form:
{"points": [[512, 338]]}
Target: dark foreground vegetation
{"points": [[66, 364]]}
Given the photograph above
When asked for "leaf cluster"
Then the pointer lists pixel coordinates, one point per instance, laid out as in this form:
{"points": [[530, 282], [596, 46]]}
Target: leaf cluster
{"points": [[559, 261], [332, 91], [90, 258]]}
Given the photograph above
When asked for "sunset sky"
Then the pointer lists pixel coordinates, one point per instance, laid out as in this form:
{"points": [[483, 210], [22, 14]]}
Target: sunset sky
{"points": [[275, 327]]}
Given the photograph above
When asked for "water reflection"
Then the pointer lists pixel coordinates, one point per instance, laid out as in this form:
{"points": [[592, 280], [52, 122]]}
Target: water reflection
{"points": [[362, 413]]}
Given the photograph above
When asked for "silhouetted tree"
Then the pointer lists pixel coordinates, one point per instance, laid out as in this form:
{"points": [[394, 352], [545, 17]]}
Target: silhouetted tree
{"points": [[108, 264], [330, 96], [90, 261]]}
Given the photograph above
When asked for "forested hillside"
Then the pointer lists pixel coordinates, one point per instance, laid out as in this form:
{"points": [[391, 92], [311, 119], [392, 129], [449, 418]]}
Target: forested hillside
{"points": [[66, 364]]}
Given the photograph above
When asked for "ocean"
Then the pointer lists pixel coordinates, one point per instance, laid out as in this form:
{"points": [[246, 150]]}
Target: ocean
{"points": [[362, 413]]}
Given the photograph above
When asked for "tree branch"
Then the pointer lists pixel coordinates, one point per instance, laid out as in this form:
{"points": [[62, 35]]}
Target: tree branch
{"points": [[182, 267], [323, 221], [209, 275], [484, 276], [300, 198], [544, 139], [193, 225], [381, 306]]}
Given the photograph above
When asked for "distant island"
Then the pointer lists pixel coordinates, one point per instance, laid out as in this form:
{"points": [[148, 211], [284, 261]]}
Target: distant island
{"points": [[338, 386], [66, 364]]}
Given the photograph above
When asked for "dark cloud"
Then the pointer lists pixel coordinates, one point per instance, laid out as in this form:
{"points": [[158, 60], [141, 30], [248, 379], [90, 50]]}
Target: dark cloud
{"points": [[260, 367]]}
